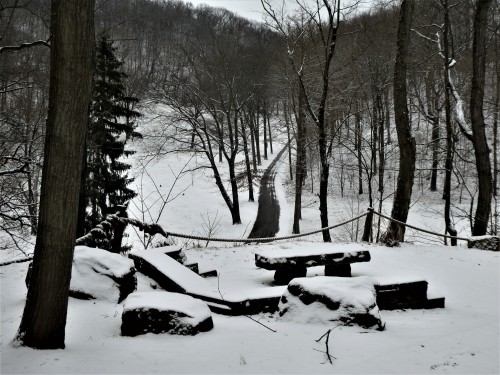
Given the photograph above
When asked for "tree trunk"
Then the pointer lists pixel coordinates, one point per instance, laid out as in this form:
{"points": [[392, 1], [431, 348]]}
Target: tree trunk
{"points": [[479, 141], [82, 201], [252, 141], [358, 133], [300, 164], [407, 144], [265, 132], [247, 162], [44, 317], [432, 99], [270, 135], [287, 122], [323, 184], [450, 229], [374, 129], [381, 143], [495, 119], [256, 136], [235, 211], [387, 116]]}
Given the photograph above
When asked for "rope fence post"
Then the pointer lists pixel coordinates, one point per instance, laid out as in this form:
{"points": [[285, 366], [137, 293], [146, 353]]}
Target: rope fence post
{"points": [[367, 232]]}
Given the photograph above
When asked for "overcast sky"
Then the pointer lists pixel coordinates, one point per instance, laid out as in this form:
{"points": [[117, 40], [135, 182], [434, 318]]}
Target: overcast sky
{"points": [[251, 9]]}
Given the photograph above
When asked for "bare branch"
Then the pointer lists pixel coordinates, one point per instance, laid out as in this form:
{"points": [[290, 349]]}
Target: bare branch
{"points": [[25, 45]]}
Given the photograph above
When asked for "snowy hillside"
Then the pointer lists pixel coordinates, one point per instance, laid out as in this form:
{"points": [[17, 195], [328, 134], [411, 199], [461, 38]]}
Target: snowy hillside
{"points": [[461, 338]]}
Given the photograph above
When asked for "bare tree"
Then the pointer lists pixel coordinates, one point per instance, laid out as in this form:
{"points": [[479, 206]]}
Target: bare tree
{"points": [[479, 141], [325, 32], [44, 317], [406, 141], [447, 60]]}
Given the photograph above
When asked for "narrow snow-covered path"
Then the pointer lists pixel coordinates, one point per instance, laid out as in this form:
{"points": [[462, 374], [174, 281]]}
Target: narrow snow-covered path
{"points": [[267, 223]]}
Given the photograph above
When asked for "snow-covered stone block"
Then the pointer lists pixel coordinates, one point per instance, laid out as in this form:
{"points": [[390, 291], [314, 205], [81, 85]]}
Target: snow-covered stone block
{"points": [[325, 299], [164, 312], [100, 274]]}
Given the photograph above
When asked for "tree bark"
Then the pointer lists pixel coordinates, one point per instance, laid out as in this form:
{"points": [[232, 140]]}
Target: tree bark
{"points": [[481, 150], [387, 116], [450, 229], [287, 122], [247, 162], [407, 145], [264, 122], [300, 163], [256, 136], [495, 119], [72, 40], [433, 114], [358, 134]]}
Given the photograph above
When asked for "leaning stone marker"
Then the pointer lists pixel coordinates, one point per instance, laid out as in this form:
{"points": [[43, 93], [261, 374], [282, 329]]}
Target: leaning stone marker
{"points": [[324, 299], [164, 312]]}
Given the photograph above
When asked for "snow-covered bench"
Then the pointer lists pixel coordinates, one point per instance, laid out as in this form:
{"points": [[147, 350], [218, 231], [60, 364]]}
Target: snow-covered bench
{"points": [[289, 264], [173, 276]]}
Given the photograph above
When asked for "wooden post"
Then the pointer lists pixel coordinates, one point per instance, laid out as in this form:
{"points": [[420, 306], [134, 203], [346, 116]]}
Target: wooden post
{"points": [[367, 233], [118, 230]]}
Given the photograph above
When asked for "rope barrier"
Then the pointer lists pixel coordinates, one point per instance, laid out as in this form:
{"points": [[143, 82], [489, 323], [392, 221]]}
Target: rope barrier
{"points": [[417, 228], [21, 260], [268, 239], [156, 229]]}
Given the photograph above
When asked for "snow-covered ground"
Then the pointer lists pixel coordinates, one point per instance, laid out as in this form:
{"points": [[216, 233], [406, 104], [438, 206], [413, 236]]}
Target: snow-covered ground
{"points": [[462, 338]]}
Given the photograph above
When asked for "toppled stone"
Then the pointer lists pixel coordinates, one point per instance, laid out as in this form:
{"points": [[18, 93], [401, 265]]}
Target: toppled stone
{"points": [[325, 299], [164, 312], [100, 274], [485, 243]]}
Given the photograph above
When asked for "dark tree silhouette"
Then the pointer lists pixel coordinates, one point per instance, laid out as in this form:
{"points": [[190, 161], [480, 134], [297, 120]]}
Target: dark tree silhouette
{"points": [[44, 317], [110, 126], [407, 144], [479, 141]]}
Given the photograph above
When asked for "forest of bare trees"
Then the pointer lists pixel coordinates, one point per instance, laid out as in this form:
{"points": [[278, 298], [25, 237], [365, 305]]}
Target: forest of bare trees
{"points": [[357, 113], [391, 98]]}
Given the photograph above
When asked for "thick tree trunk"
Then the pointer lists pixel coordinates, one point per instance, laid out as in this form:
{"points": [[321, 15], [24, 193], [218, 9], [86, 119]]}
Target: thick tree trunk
{"points": [[44, 317], [479, 141], [407, 145]]}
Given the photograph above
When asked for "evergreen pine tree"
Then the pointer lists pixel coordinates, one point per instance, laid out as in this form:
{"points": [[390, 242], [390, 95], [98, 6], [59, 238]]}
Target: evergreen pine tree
{"points": [[111, 124]]}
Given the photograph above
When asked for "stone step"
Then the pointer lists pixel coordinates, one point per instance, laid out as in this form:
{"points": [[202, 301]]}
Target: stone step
{"points": [[211, 273], [193, 267], [406, 295], [175, 277]]}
